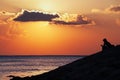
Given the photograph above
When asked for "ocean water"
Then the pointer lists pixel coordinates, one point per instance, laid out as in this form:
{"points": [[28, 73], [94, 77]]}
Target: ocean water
{"points": [[31, 65]]}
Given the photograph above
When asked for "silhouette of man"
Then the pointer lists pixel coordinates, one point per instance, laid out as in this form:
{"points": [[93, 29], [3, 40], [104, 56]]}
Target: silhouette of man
{"points": [[106, 44]]}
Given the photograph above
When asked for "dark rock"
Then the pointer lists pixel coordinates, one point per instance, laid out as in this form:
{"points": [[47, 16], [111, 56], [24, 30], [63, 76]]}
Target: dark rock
{"points": [[104, 65]]}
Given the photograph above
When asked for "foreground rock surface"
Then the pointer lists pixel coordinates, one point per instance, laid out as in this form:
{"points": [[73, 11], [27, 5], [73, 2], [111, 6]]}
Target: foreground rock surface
{"points": [[104, 65]]}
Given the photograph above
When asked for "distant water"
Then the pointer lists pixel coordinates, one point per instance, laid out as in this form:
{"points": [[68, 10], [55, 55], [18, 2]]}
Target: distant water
{"points": [[31, 65]]}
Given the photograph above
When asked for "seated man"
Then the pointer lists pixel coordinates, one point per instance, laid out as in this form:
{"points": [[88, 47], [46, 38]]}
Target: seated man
{"points": [[106, 44]]}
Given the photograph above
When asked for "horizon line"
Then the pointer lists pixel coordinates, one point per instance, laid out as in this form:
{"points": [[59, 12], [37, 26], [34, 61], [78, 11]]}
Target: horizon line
{"points": [[40, 55]]}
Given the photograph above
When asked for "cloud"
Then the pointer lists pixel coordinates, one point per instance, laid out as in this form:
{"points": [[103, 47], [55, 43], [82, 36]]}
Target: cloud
{"points": [[10, 30], [6, 13], [53, 18], [72, 19], [115, 8], [112, 9], [35, 16]]}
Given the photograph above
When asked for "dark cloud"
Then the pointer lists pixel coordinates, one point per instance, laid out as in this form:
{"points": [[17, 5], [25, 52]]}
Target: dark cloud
{"points": [[115, 8], [35, 16], [79, 21], [64, 19]]}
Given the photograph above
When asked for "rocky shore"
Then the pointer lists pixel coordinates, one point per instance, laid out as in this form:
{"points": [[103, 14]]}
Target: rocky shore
{"points": [[104, 65]]}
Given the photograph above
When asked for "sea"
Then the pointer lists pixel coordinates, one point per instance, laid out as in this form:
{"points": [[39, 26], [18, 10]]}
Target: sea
{"points": [[31, 65]]}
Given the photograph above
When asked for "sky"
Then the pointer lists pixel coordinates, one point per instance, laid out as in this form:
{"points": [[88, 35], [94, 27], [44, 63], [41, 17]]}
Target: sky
{"points": [[60, 27]]}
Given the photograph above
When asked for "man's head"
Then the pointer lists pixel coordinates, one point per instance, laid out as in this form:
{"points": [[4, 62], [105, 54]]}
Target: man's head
{"points": [[104, 39]]}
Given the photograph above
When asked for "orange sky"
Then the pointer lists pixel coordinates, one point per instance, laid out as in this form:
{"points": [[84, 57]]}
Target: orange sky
{"points": [[44, 27]]}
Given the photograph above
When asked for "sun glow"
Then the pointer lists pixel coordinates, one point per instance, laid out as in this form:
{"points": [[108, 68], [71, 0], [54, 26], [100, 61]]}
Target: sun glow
{"points": [[47, 6]]}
